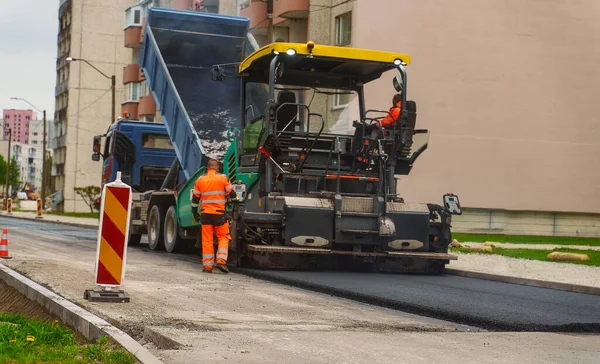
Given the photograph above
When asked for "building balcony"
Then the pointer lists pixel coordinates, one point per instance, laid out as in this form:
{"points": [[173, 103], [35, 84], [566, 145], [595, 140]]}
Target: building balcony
{"points": [[61, 141], [131, 73], [131, 108], [211, 6], [147, 106], [61, 88], [133, 36], [64, 34], [291, 9], [61, 61], [282, 10], [64, 6]]}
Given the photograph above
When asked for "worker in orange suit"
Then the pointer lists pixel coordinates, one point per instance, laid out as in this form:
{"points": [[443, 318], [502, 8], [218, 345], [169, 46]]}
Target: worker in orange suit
{"points": [[386, 123], [210, 193]]}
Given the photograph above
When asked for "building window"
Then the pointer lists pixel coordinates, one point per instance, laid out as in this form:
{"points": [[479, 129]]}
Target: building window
{"points": [[343, 29], [131, 92], [156, 141], [341, 99], [133, 16]]}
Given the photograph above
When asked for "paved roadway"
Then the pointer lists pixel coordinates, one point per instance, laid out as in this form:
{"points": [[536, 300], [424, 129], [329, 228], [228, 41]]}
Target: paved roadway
{"points": [[487, 304]]}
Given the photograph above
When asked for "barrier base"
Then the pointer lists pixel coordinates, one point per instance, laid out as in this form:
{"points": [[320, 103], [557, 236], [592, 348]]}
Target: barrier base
{"points": [[6, 257], [100, 295]]}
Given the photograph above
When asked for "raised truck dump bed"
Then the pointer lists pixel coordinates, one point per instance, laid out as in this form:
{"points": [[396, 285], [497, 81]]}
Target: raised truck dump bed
{"points": [[178, 51]]}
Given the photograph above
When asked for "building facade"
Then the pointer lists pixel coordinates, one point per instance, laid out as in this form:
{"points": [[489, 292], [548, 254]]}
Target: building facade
{"points": [[90, 30], [514, 140], [18, 121]]}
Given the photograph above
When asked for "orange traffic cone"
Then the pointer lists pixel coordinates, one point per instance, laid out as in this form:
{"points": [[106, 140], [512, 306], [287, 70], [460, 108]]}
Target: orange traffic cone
{"points": [[4, 245]]}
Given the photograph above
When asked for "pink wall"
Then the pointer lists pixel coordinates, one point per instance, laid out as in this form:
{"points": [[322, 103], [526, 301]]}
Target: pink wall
{"points": [[508, 90], [18, 121]]}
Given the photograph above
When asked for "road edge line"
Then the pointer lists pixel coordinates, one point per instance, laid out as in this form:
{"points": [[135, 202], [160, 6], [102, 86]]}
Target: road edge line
{"points": [[525, 281], [89, 325], [84, 226]]}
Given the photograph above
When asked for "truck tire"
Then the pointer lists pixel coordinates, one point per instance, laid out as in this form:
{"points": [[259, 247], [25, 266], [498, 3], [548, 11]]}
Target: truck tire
{"points": [[173, 241], [134, 239], [156, 217]]}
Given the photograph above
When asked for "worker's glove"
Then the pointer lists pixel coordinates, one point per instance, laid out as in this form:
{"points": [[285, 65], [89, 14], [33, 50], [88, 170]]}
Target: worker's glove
{"points": [[197, 216]]}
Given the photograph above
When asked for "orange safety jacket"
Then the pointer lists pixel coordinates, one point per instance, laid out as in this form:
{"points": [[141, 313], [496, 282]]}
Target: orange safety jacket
{"points": [[211, 189], [389, 120]]}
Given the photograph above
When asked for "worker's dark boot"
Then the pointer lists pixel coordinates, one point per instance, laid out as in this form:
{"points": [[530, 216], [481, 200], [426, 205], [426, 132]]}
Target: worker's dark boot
{"points": [[223, 268], [206, 271]]}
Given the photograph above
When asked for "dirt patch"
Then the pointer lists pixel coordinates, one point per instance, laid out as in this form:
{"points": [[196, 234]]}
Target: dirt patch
{"points": [[13, 302]]}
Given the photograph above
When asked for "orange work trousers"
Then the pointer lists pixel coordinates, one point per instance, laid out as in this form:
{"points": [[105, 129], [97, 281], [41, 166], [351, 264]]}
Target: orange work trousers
{"points": [[208, 244]]}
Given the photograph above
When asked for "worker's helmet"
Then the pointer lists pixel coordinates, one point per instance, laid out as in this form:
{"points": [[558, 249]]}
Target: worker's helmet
{"points": [[398, 83]]}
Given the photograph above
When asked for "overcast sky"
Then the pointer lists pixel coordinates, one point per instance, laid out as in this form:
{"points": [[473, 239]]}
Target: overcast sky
{"points": [[28, 33]]}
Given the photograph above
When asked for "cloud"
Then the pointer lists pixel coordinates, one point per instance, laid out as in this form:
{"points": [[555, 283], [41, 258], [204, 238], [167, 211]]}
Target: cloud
{"points": [[29, 31]]}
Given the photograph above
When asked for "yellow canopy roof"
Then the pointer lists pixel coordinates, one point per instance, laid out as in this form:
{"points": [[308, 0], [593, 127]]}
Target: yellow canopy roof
{"points": [[328, 64]]}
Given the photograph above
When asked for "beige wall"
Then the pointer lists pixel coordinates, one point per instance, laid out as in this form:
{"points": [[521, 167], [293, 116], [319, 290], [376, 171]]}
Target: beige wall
{"points": [[97, 36], [527, 223], [507, 89]]}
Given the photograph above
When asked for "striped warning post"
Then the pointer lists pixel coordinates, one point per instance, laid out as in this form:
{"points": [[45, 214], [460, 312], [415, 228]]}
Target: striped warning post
{"points": [[113, 233], [39, 209]]}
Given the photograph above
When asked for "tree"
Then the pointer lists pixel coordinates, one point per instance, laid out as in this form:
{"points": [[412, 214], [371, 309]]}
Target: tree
{"points": [[2, 170], [14, 179], [49, 184], [88, 194]]}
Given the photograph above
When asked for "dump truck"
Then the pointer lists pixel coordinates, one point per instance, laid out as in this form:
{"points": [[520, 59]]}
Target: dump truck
{"points": [[266, 113]]}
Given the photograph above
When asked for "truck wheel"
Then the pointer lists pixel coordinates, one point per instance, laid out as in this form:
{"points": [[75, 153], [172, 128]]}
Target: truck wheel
{"points": [[172, 240], [134, 239], [155, 228]]}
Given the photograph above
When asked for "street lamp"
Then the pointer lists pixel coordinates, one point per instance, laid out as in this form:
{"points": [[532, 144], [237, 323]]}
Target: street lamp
{"points": [[8, 166], [44, 171], [111, 78]]}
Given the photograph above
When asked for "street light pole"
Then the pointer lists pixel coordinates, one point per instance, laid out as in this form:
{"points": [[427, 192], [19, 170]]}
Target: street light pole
{"points": [[8, 166], [112, 79], [44, 171]]}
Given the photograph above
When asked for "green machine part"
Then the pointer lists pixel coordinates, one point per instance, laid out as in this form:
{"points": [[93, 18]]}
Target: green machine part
{"points": [[185, 218]]}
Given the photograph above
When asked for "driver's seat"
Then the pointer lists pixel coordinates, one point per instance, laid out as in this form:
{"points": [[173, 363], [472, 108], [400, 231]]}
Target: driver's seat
{"points": [[286, 118], [287, 113]]}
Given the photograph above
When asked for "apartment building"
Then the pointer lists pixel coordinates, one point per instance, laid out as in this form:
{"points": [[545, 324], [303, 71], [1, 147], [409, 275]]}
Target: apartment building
{"points": [[18, 122], [26, 143], [91, 32]]}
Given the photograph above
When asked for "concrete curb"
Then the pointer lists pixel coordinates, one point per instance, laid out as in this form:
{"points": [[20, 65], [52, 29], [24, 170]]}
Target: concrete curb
{"points": [[526, 282], [85, 226], [75, 317]]}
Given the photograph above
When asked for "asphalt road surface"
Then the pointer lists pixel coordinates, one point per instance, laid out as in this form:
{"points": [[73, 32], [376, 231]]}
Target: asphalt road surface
{"points": [[487, 304]]}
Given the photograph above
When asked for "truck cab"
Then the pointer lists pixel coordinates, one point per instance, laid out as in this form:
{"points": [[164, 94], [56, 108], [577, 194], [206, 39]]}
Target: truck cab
{"points": [[142, 151]]}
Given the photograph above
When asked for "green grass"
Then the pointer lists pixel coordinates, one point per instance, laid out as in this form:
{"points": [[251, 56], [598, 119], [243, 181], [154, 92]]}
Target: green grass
{"points": [[535, 254], [92, 215], [526, 239], [52, 343]]}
